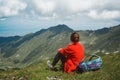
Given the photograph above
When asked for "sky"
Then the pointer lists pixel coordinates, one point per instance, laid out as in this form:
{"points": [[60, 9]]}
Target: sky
{"points": [[20, 17]]}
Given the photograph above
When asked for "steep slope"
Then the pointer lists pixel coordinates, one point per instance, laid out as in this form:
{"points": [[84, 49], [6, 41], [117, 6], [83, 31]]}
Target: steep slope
{"points": [[44, 43], [35, 46], [107, 40]]}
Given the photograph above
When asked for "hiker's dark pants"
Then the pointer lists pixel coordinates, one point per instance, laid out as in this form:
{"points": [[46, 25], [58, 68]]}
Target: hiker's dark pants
{"points": [[58, 57]]}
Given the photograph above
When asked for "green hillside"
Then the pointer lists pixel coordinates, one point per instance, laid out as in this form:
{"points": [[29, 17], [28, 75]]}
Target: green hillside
{"points": [[106, 40], [32, 47], [37, 71], [22, 51]]}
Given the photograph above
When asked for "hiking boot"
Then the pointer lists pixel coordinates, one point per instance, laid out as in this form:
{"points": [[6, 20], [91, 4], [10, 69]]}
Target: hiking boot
{"points": [[50, 66]]}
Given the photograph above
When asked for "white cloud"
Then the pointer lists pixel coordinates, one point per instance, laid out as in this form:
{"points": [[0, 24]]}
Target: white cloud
{"points": [[79, 5], [59, 9], [11, 7], [32, 15], [44, 6], [104, 15], [97, 9]]}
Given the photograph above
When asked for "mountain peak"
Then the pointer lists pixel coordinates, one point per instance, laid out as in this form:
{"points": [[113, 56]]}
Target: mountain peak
{"points": [[60, 28]]}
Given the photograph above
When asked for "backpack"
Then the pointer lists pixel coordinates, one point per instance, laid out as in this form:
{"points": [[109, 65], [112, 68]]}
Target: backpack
{"points": [[91, 64]]}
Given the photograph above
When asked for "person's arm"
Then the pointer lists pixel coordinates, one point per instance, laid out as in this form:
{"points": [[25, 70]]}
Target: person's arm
{"points": [[66, 51]]}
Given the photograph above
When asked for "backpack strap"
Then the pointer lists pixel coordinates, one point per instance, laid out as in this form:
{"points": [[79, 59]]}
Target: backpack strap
{"points": [[92, 56]]}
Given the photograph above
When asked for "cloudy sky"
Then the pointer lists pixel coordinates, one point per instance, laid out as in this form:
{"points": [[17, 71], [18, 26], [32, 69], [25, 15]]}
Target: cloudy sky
{"points": [[19, 17]]}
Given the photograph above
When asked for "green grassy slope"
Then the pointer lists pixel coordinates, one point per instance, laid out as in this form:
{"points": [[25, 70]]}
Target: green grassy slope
{"points": [[109, 71], [17, 52], [32, 47]]}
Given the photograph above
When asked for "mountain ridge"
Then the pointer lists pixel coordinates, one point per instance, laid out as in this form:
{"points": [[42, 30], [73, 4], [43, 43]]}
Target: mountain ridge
{"points": [[43, 44]]}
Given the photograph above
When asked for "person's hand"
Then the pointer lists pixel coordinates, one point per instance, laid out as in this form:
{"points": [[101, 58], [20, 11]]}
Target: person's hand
{"points": [[59, 49]]}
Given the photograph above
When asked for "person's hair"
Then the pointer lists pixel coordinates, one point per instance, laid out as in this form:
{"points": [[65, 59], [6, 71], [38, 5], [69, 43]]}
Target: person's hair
{"points": [[72, 38]]}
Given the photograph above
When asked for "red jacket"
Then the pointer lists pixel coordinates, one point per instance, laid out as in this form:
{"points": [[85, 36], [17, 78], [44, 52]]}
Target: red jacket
{"points": [[75, 54]]}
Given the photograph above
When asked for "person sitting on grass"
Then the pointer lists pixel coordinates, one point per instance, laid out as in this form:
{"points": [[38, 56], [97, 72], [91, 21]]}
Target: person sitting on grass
{"points": [[70, 56]]}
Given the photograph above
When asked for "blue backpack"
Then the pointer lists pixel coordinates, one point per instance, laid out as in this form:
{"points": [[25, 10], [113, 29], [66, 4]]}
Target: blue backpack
{"points": [[91, 64]]}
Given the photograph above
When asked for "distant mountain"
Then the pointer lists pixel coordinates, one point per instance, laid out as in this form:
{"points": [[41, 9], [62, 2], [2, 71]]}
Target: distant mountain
{"points": [[105, 40], [34, 46], [44, 44]]}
